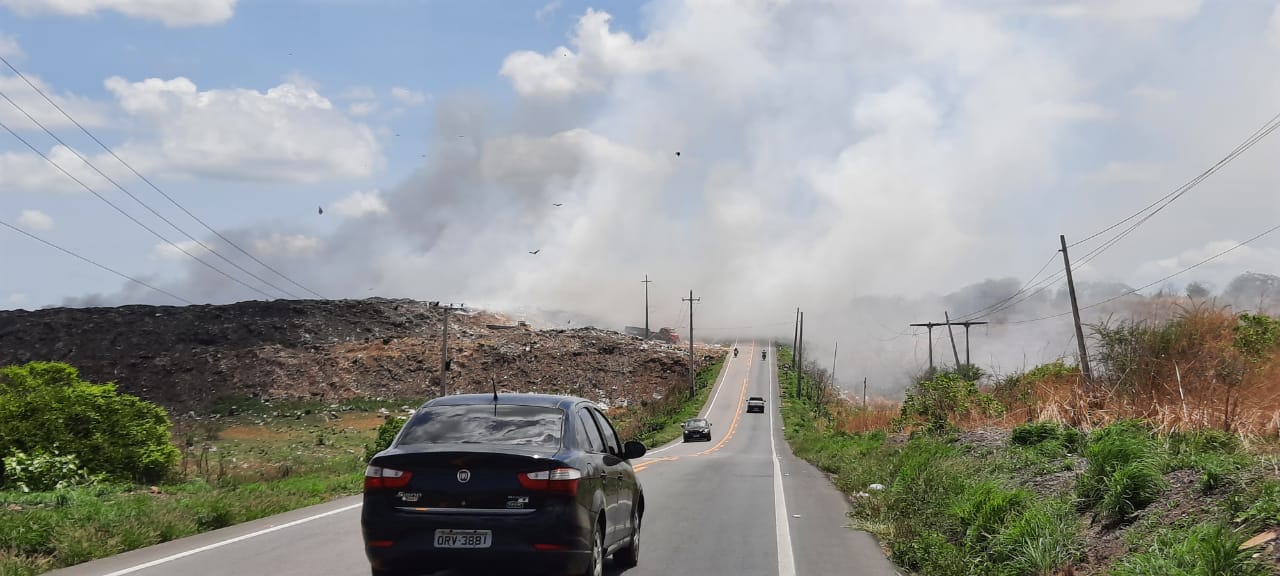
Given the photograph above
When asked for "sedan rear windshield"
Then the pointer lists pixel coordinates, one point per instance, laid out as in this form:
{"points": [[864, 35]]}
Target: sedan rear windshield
{"points": [[506, 425]]}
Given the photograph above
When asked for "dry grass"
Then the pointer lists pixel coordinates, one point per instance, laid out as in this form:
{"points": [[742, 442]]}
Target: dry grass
{"points": [[878, 414], [1178, 372]]}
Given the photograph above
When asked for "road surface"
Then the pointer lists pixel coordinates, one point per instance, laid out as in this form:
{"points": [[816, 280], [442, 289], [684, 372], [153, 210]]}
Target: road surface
{"points": [[741, 504]]}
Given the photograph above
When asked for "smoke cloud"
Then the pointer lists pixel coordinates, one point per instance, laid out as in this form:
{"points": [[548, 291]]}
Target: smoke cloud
{"points": [[860, 160]]}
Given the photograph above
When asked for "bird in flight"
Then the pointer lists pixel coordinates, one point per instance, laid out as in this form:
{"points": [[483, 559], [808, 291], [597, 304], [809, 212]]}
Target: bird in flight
{"points": [[677, 153], [535, 252], [557, 205], [321, 210]]}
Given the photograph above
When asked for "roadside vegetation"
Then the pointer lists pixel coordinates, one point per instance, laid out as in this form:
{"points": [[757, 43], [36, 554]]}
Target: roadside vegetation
{"points": [[89, 472], [1167, 466]]}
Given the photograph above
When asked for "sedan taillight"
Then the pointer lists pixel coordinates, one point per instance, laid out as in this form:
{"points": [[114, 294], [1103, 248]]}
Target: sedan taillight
{"points": [[378, 478], [558, 481]]}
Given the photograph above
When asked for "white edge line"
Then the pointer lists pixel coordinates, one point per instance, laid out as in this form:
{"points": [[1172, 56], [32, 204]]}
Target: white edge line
{"points": [[242, 538], [724, 372], [786, 557]]}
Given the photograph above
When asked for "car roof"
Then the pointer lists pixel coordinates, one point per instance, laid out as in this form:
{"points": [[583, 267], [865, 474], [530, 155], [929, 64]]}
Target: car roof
{"points": [[508, 399], [755, 398]]}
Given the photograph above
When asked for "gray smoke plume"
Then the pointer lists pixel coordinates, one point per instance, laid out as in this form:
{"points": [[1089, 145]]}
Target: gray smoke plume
{"points": [[859, 160]]}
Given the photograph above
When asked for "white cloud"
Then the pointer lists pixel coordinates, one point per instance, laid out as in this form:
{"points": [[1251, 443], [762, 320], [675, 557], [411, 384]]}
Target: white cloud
{"points": [[1219, 271], [174, 251], [1273, 30], [602, 54], [1126, 173], [17, 300], [358, 93], [27, 172], [87, 112], [174, 13], [35, 221], [1126, 10], [407, 96], [548, 9], [286, 244], [9, 47], [360, 204], [288, 133], [362, 109], [1073, 111], [1150, 95]]}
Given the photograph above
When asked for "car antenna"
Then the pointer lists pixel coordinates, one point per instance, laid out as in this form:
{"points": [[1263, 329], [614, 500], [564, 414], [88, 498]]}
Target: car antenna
{"points": [[494, 382]]}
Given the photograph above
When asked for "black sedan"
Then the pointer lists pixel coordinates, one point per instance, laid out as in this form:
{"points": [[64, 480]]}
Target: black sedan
{"points": [[697, 429], [491, 483]]}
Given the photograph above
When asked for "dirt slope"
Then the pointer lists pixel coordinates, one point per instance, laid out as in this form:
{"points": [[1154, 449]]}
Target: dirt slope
{"points": [[187, 357]]}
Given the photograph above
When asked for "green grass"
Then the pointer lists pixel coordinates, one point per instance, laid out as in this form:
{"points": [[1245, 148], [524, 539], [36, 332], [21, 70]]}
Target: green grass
{"points": [[663, 426], [950, 510], [236, 471]]}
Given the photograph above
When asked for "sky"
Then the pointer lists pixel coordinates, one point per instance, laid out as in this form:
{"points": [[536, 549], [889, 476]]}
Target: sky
{"points": [[873, 163]]}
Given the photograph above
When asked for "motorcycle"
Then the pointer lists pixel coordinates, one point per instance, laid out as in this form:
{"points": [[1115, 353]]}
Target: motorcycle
{"points": [[763, 354], [735, 352]]}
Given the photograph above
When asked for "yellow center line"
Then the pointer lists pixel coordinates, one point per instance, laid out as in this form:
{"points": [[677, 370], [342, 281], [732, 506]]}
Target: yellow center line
{"points": [[737, 416]]}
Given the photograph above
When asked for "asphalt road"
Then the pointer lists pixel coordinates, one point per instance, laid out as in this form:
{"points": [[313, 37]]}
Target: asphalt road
{"points": [[740, 504]]}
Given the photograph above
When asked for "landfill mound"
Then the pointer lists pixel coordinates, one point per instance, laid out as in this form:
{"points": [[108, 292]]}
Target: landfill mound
{"points": [[188, 357]]}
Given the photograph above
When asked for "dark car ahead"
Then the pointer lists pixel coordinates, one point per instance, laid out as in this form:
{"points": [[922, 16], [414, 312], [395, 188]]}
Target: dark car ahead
{"points": [[518, 481], [697, 429], [755, 404]]}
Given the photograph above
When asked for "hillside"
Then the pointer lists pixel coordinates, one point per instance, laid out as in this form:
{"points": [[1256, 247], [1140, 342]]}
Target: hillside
{"points": [[188, 357]]}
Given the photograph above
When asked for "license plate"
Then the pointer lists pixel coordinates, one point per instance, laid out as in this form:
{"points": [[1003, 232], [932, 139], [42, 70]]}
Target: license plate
{"points": [[463, 538]]}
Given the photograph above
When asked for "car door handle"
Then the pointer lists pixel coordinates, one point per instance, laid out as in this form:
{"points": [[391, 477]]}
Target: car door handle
{"points": [[604, 475]]}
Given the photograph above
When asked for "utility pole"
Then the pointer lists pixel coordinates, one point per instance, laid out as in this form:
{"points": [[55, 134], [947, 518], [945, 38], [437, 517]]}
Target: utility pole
{"points": [[952, 334], [949, 324], [444, 347], [795, 340], [693, 382], [1075, 313], [646, 283], [800, 365], [834, 356], [864, 392]]}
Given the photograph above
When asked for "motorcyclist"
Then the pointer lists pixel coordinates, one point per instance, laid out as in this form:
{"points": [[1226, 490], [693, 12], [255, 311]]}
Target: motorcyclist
{"points": [[764, 354], [735, 351]]}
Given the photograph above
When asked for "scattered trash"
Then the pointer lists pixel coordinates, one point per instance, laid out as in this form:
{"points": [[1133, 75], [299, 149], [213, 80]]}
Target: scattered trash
{"points": [[876, 487]]}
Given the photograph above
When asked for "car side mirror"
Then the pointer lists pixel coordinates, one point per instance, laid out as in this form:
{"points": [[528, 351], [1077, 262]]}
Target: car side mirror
{"points": [[632, 450]]}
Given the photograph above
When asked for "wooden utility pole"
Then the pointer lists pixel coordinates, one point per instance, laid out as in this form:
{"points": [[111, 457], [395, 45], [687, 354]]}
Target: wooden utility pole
{"points": [[646, 283], [1075, 313], [949, 324], [693, 381], [864, 392], [951, 333], [834, 356], [444, 347]]}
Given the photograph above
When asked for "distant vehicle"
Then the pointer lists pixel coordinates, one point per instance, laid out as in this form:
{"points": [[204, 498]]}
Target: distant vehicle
{"points": [[480, 481], [755, 404], [764, 354], [697, 428]]}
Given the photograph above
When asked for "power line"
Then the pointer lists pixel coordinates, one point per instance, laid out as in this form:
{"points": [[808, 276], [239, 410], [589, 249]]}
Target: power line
{"points": [[139, 200], [113, 271], [1150, 284], [978, 313], [1266, 130], [126, 214], [153, 186]]}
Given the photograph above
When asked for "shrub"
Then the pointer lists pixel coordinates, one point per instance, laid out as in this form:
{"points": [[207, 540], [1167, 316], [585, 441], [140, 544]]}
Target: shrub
{"points": [[1110, 449], [1264, 508], [1131, 488], [1033, 433], [387, 432], [1208, 549], [935, 401], [984, 508], [1040, 541], [42, 472], [1204, 441], [45, 406]]}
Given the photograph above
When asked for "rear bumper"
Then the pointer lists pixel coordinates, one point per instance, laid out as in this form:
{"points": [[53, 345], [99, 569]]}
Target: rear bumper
{"points": [[406, 541], [755, 409], [413, 558]]}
